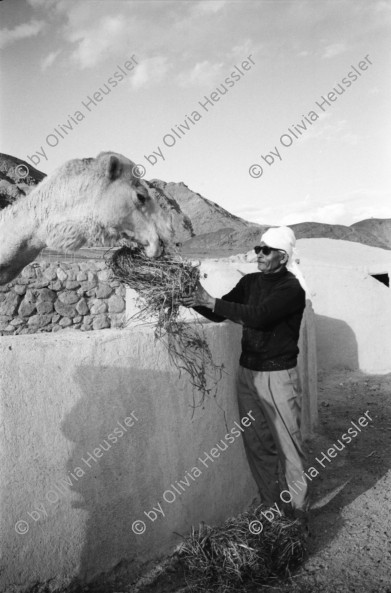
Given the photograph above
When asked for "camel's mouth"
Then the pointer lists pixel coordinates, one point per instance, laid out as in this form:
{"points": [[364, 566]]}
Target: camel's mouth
{"points": [[151, 250], [130, 236], [126, 234]]}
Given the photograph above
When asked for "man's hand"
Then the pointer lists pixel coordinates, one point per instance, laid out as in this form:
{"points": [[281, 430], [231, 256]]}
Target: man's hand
{"points": [[199, 298]]}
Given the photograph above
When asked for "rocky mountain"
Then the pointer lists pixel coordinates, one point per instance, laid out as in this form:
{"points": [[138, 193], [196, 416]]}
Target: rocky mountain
{"points": [[16, 179], [202, 226], [180, 221], [206, 216]]}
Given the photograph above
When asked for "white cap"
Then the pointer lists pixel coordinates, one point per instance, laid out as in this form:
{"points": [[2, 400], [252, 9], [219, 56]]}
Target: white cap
{"points": [[280, 238], [284, 238]]}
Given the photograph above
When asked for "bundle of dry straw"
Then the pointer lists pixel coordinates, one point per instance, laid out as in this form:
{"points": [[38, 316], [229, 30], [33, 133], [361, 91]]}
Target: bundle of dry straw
{"points": [[161, 284], [230, 558]]}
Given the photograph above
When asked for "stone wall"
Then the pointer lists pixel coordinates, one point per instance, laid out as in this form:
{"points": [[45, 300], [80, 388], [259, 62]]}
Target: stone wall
{"points": [[48, 297]]}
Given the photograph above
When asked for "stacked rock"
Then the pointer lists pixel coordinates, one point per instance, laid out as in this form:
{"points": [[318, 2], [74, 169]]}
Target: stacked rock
{"points": [[53, 296]]}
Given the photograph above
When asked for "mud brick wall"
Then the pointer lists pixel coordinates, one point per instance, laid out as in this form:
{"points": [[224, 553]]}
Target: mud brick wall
{"points": [[49, 297]]}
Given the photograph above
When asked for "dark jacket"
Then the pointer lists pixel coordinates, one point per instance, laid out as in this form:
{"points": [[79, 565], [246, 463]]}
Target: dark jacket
{"points": [[270, 308]]}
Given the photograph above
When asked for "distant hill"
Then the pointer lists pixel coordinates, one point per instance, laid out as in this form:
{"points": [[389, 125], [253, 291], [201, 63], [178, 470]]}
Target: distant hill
{"points": [[357, 234], [380, 227], [202, 226], [230, 241], [223, 242]]}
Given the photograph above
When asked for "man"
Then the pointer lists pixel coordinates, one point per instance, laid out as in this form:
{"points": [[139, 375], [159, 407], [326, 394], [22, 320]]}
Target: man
{"points": [[269, 304]]}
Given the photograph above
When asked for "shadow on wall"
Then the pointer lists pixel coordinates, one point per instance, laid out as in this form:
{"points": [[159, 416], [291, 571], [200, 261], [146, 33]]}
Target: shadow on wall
{"points": [[307, 366], [336, 344], [109, 491], [129, 476]]}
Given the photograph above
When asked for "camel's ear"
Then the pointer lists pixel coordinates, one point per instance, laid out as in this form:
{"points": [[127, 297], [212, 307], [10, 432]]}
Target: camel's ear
{"points": [[113, 168]]}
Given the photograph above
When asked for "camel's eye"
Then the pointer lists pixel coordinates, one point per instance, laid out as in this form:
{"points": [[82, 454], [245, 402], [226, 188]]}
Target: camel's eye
{"points": [[142, 198]]}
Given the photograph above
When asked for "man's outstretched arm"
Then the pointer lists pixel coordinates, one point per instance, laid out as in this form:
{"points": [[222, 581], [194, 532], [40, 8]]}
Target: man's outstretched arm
{"points": [[204, 303], [208, 313]]}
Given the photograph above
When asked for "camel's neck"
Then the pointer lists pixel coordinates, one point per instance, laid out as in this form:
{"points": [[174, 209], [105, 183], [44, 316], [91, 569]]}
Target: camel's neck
{"points": [[19, 244]]}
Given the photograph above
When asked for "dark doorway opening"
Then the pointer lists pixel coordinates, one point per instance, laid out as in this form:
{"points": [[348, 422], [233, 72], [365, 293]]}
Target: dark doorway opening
{"points": [[383, 278]]}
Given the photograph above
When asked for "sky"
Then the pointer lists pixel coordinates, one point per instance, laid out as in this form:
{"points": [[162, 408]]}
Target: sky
{"points": [[286, 56]]}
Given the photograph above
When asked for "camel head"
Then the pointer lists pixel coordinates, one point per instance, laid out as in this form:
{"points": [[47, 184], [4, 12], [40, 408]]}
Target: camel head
{"points": [[85, 201], [100, 200]]}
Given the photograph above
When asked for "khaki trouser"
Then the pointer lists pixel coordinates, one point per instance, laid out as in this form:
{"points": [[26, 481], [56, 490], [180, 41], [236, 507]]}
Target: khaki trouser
{"points": [[275, 400]]}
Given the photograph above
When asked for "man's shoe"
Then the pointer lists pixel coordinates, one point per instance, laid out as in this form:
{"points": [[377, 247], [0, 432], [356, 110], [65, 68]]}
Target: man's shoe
{"points": [[287, 510], [302, 518]]}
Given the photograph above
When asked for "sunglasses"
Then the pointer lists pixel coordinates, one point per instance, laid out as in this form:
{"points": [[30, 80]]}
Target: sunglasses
{"points": [[265, 249]]}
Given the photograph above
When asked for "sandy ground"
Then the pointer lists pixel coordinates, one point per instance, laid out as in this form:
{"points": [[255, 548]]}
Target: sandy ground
{"points": [[349, 549]]}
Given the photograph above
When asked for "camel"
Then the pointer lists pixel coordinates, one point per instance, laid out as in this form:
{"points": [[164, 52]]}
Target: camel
{"points": [[84, 201]]}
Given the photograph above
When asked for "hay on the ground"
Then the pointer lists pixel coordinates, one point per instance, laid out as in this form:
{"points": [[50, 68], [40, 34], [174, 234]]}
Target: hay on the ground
{"points": [[229, 557], [161, 284]]}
